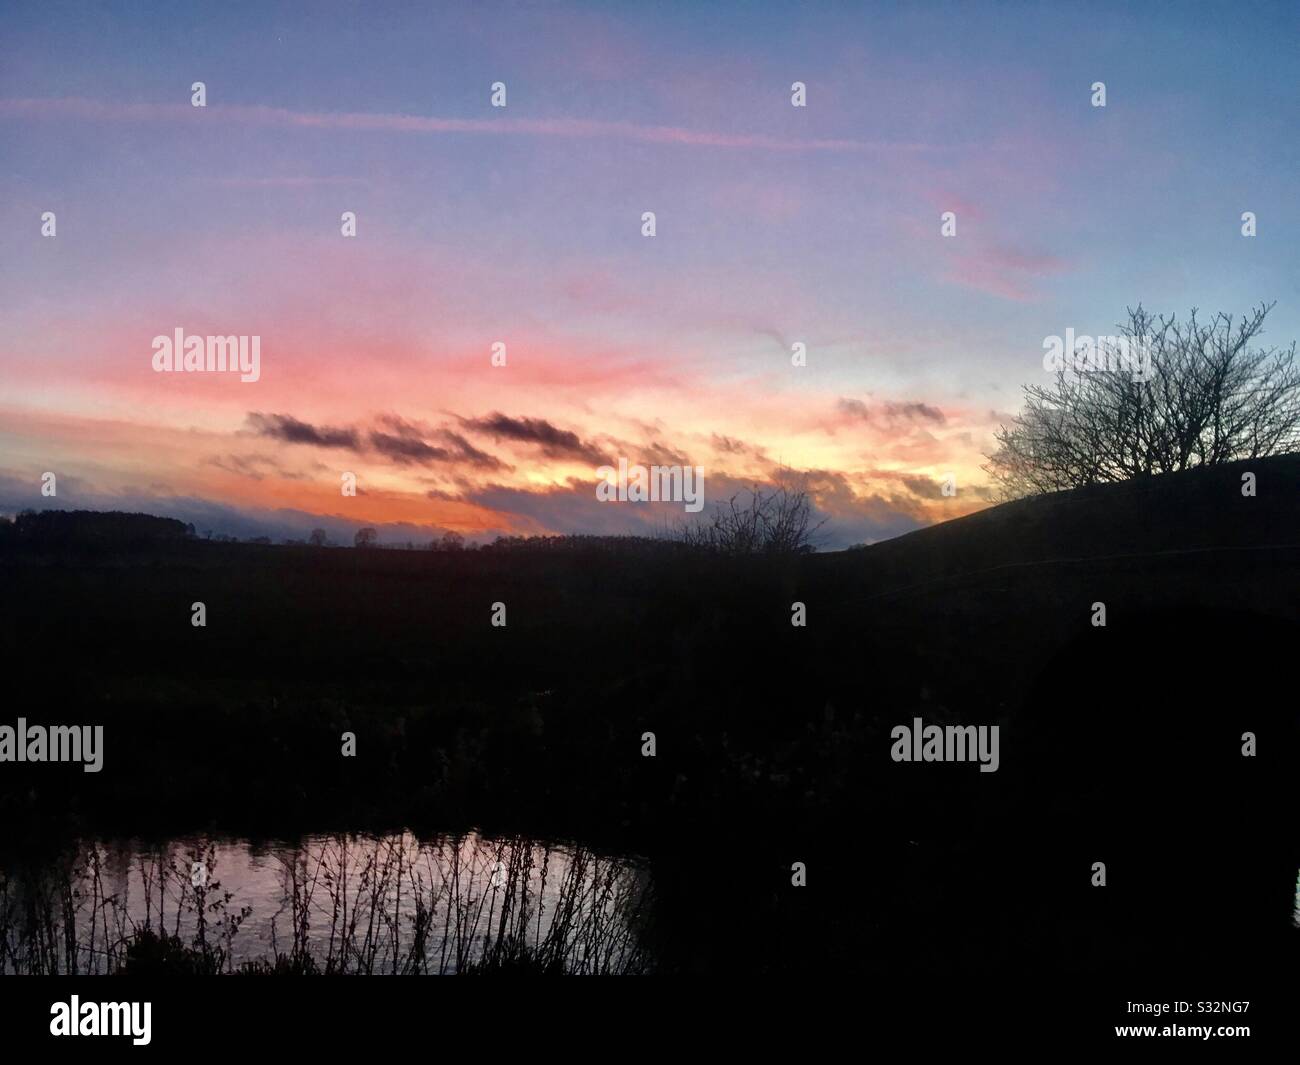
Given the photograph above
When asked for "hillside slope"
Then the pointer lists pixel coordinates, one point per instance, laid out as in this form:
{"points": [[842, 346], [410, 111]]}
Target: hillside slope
{"points": [[1183, 512]]}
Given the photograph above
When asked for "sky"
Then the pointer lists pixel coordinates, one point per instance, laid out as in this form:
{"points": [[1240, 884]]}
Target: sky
{"points": [[775, 225]]}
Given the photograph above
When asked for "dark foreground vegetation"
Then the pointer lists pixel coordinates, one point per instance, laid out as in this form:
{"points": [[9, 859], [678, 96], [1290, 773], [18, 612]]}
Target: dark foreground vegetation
{"points": [[348, 905], [1119, 744]]}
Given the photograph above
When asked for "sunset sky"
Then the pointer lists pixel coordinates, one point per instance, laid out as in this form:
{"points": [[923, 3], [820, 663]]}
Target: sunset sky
{"points": [[522, 224]]}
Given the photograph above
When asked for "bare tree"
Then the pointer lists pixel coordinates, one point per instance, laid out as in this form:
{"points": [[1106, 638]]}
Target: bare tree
{"points": [[1199, 395], [366, 537], [775, 521], [318, 538]]}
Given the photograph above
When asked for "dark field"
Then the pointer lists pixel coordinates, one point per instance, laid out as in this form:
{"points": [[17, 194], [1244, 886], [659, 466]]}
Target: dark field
{"points": [[1120, 744]]}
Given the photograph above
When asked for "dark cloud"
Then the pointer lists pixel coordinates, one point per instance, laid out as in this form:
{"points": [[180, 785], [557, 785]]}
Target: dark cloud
{"points": [[916, 411], [290, 429], [925, 487], [255, 467], [407, 450], [648, 453], [555, 443], [410, 450], [890, 412], [729, 445], [397, 424], [398, 440], [657, 453], [238, 465], [467, 452]]}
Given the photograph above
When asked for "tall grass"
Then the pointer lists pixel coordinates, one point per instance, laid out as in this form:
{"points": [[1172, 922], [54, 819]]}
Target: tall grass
{"points": [[348, 904]]}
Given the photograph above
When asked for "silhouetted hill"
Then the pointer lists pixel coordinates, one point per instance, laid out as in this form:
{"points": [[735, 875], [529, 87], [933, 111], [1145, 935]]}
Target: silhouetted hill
{"points": [[1180, 512], [984, 605]]}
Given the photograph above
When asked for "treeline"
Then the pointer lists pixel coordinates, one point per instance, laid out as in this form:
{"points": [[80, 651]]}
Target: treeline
{"points": [[109, 528], [550, 543], [557, 544], [774, 522], [67, 528]]}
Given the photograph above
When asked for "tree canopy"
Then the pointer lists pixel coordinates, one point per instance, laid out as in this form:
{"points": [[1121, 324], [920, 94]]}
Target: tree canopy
{"points": [[1182, 394]]}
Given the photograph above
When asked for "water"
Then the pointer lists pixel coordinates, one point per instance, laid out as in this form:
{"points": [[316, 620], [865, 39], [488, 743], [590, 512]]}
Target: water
{"points": [[391, 903]]}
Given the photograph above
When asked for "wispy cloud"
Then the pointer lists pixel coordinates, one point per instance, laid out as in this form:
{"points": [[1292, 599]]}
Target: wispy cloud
{"points": [[890, 413], [578, 128], [287, 182]]}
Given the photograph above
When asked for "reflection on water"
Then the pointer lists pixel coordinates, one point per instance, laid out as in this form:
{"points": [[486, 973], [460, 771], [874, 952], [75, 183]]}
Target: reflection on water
{"points": [[348, 903]]}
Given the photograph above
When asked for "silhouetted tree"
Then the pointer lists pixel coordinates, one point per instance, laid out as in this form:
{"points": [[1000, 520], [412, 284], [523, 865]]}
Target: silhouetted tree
{"points": [[1202, 395], [318, 538], [366, 537], [773, 521]]}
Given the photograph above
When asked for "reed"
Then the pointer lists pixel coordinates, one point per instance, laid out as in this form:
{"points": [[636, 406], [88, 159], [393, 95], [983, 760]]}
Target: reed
{"points": [[349, 904]]}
